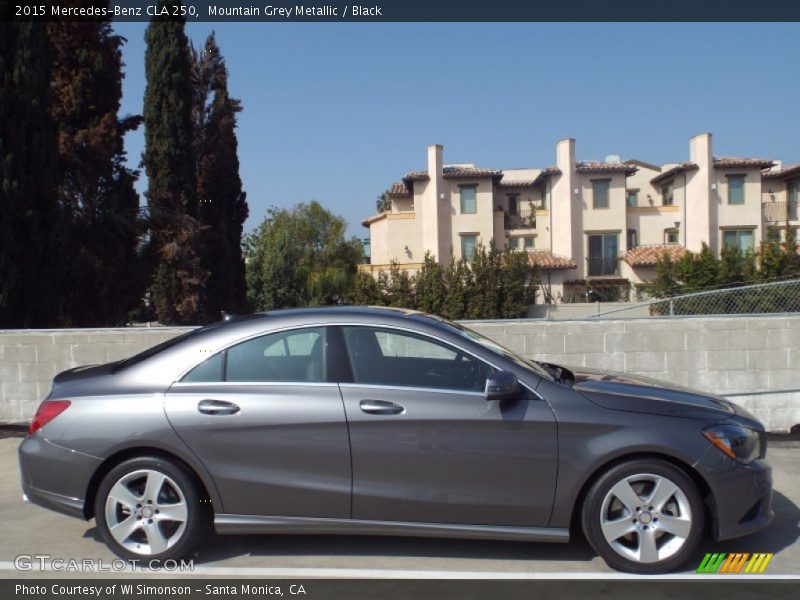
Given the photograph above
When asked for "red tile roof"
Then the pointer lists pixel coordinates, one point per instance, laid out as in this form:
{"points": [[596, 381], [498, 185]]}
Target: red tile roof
{"points": [[604, 167], [399, 189], [370, 220], [781, 173], [730, 162], [685, 166], [516, 183], [545, 259], [647, 256], [455, 172]]}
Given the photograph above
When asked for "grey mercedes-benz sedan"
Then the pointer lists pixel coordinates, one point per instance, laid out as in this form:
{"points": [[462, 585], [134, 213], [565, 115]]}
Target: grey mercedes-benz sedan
{"points": [[355, 420]]}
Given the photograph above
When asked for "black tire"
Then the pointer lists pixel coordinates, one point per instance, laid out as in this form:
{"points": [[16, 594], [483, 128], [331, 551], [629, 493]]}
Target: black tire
{"points": [[618, 556], [195, 524]]}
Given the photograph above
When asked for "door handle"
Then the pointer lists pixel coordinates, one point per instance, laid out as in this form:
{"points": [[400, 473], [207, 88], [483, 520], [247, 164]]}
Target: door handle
{"points": [[380, 407], [217, 407]]}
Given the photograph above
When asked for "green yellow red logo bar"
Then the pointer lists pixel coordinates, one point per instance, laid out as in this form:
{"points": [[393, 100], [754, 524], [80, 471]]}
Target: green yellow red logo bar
{"points": [[735, 563]]}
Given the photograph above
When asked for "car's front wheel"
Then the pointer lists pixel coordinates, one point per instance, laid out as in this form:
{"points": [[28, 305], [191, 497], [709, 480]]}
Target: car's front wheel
{"points": [[644, 516], [149, 508]]}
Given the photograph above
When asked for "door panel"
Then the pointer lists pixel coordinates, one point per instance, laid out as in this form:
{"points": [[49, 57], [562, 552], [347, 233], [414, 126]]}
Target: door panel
{"points": [[284, 452], [424, 451], [451, 457]]}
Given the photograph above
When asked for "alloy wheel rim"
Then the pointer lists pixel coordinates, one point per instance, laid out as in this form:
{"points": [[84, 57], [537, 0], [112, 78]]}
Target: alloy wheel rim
{"points": [[146, 512], [646, 518]]}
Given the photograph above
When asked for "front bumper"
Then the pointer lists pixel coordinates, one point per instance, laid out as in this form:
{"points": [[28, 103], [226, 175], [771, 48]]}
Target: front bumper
{"points": [[55, 477], [741, 501]]}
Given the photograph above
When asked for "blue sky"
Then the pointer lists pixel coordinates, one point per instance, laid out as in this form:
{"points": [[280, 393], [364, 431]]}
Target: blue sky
{"points": [[336, 112]]}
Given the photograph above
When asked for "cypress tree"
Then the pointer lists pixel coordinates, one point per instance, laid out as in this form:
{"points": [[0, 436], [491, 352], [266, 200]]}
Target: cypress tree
{"points": [[178, 288], [222, 207], [31, 242], [96, 190]]}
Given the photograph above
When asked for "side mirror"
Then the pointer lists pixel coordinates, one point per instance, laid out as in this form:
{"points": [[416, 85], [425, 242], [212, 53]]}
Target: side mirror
{"points": [[503, 385]]}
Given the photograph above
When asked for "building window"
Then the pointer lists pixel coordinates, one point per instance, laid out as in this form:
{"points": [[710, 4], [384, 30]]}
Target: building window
{"points": [[469, 201], [735, 189], [603, 251], [527, 243], [632, 239], [743, 239], [632, 198], [600, 189], [670, 236], [793, 196], [666, 195], [543, 197], [468, 244], [513, 201]]}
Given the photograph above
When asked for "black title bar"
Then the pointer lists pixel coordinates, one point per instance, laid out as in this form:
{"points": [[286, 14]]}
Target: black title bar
{"points": [[405, 10]]}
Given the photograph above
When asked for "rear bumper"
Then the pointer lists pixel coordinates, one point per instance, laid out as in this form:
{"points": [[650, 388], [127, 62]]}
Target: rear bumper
{"points": [[55, 477], [742, 494]]}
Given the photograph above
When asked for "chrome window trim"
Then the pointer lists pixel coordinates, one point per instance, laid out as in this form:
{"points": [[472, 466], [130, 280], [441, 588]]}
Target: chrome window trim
{"points": [[344, 324]]}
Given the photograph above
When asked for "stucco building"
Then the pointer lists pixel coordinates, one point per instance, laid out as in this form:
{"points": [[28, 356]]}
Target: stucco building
{"points": [[604, 223]]}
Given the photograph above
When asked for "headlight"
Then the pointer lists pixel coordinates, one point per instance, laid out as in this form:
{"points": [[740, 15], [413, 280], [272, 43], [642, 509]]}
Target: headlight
{"points": [[737, 441]]}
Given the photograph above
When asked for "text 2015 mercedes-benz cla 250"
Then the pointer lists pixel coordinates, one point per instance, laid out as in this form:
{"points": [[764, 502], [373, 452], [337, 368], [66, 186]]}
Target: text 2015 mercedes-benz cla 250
{"points": [[359, 420]]}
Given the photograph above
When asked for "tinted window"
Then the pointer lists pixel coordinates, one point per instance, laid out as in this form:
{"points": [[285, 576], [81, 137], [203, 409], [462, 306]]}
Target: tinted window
{"points": [[391, 357], [296, 355], [209, 370]]}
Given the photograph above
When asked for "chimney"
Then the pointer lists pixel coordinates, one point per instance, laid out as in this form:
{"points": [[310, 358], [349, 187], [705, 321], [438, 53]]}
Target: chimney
{"points": [[435, 216], [566, 209], [435, 161], [700, 206]]}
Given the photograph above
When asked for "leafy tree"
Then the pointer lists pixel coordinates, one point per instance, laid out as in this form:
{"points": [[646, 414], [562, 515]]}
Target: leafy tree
{"points": [[483, 295], [96, 190], [772, 258], [518, 281], [169, 158], [299, 257], [698, 271], [791, 250], [383, 203], [366, 290], [222, 205], [430, 287], [458, 283], [32, 245], [400, 289]]}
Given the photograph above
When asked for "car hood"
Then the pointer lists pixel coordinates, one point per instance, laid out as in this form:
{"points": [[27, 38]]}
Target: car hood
{"points": [[617, 391]]}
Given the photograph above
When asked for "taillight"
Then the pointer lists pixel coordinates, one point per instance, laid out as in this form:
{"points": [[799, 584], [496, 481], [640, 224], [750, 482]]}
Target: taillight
{"points": [[47, 411]]}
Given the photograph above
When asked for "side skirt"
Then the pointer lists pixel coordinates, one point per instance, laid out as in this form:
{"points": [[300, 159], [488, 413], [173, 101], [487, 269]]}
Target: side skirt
{"points": [[250, 524]]}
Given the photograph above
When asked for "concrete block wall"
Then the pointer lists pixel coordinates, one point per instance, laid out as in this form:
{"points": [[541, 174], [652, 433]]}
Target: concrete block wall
{"points": [[29, 359], [751, 360], [754, 361]]}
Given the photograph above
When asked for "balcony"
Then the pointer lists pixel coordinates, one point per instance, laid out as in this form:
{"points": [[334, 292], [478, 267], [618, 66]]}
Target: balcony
{"points": [[602, 266], [775, 212], [524, 219]]}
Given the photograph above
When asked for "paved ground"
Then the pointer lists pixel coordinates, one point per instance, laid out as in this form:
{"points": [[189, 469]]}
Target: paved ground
{"points": [[32, 530]]}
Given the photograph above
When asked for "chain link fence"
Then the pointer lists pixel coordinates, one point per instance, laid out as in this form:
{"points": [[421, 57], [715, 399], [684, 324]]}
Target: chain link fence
{"points": [[762, 298]]}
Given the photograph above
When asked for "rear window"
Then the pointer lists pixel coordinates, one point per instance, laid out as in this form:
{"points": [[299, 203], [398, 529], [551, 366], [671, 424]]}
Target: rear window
{"points": [[142, 356]]}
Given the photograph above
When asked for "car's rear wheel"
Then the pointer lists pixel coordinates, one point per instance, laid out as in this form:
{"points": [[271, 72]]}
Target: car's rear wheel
{"points": [[149, 508], [644, 516]]}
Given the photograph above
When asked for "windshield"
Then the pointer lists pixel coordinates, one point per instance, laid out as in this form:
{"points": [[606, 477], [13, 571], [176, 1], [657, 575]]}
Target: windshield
{"points": [[497, 348]]}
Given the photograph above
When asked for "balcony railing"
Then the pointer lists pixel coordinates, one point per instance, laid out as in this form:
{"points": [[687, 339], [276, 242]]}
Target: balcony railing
{"points": [[602, 266], [524, 219], [775, 212]]}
